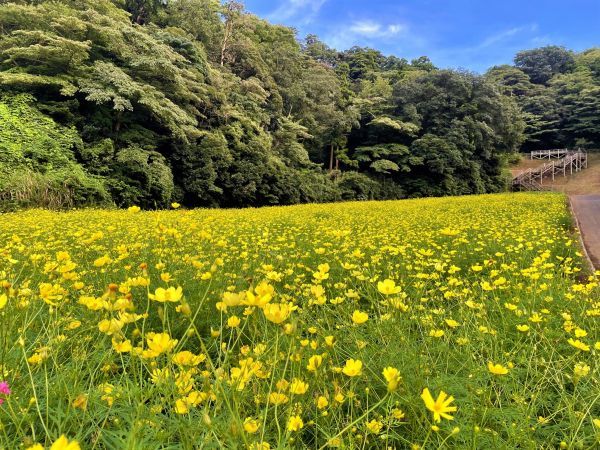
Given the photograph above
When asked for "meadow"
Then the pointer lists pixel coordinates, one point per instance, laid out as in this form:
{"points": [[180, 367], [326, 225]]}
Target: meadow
{"points": [[465, 322]]}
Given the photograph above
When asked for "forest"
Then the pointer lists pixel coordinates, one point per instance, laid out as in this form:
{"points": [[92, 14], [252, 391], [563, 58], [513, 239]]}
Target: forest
{"points": [[149, 102]]}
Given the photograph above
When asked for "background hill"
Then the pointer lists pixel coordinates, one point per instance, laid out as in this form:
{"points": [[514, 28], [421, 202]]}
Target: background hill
{"points": [[148, 102]]}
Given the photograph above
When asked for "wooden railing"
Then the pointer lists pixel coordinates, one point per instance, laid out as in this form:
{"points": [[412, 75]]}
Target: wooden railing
{"points": [[549, 154], [533, 179]]}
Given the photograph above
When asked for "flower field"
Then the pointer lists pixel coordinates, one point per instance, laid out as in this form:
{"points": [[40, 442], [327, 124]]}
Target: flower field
{"points": [[439, 323]]}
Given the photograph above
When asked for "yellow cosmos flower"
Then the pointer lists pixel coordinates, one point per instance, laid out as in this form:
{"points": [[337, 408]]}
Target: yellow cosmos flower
{"points": [[581, 370], [451, 323], [171, 294], [392, 376], [440, 407], [388, 287], [295, 423], [80, 402], [102, 261], [353, 368], [251, 425], [187, 359], [579, 345], [359, 317], [277, 398], [123, 346], [233, 322], [159, 343], [298, 387], [62, 443], [3, 300], [497, 369], [175, 205], [134, 209], [374, 426], [314, 362], [523, 328], [233, 299], [322, 402], [278, 312]]}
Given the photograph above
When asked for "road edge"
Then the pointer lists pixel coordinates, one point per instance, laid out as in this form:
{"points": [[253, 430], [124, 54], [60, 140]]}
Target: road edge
{"points": [[590, 264]]}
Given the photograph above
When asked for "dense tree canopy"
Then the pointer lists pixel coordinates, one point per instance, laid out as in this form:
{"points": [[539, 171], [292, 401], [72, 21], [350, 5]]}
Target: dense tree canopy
{"points": [[559, 93], [152, 101]]}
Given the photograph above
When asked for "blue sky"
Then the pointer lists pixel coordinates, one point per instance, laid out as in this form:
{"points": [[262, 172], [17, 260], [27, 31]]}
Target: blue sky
{"points": [[468, 34]]}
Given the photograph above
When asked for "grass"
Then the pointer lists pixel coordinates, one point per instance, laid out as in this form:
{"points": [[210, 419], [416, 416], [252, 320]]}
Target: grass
{"points": [[313, 326]]}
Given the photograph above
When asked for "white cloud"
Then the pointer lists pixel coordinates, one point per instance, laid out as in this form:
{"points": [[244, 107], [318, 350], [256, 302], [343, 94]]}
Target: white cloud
{"points": [[365, 32], [293, 8], [374, 29], [506, 35]]}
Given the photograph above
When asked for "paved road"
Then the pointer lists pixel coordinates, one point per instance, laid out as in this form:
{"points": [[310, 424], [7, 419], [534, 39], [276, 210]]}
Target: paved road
{"points": [[587, 211]]}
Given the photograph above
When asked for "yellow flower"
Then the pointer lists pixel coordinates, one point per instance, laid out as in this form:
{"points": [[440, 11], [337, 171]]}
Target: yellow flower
{"points": [[80, 402], [264, 293], [3, 300], [62, 443], [322, 402], [175, 205], [181, 406], [278, 312], [233, 299], [359, 317], [581, 370], [388, 287], [171, 294], [436, 333], [392, 376], [187, 358], [295, 423], [35, 447], [73, 325], [497, 369], [374, 426], [451, 323], [314, 362], [398, 414], [440, 407], [523, 328], [159, 343], [233, 322], [579, 345], [251, 425], [277, 398], [134, 209], [353, 368], [123, 346], [110, 327], [298, 387]]}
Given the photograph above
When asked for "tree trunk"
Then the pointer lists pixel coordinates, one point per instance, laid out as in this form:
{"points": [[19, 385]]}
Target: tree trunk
{"points": [[331, 156]]}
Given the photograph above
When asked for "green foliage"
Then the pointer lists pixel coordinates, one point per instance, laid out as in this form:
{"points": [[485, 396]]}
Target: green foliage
{"points": [[541, 64], [558, 92], [158, 102], [37, 161], [142, 178]]}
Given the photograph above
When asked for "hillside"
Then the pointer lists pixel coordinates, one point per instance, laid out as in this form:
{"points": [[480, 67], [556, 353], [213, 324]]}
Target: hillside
{"points": [[580, 183], [146, 102]]}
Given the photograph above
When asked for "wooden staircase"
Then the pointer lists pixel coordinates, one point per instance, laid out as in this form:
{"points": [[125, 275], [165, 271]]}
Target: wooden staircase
{"points": [[533, 179]]}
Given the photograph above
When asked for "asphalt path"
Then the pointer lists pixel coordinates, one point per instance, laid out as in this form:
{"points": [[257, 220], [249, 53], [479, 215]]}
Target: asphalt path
{"points": [[587, 213]]}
